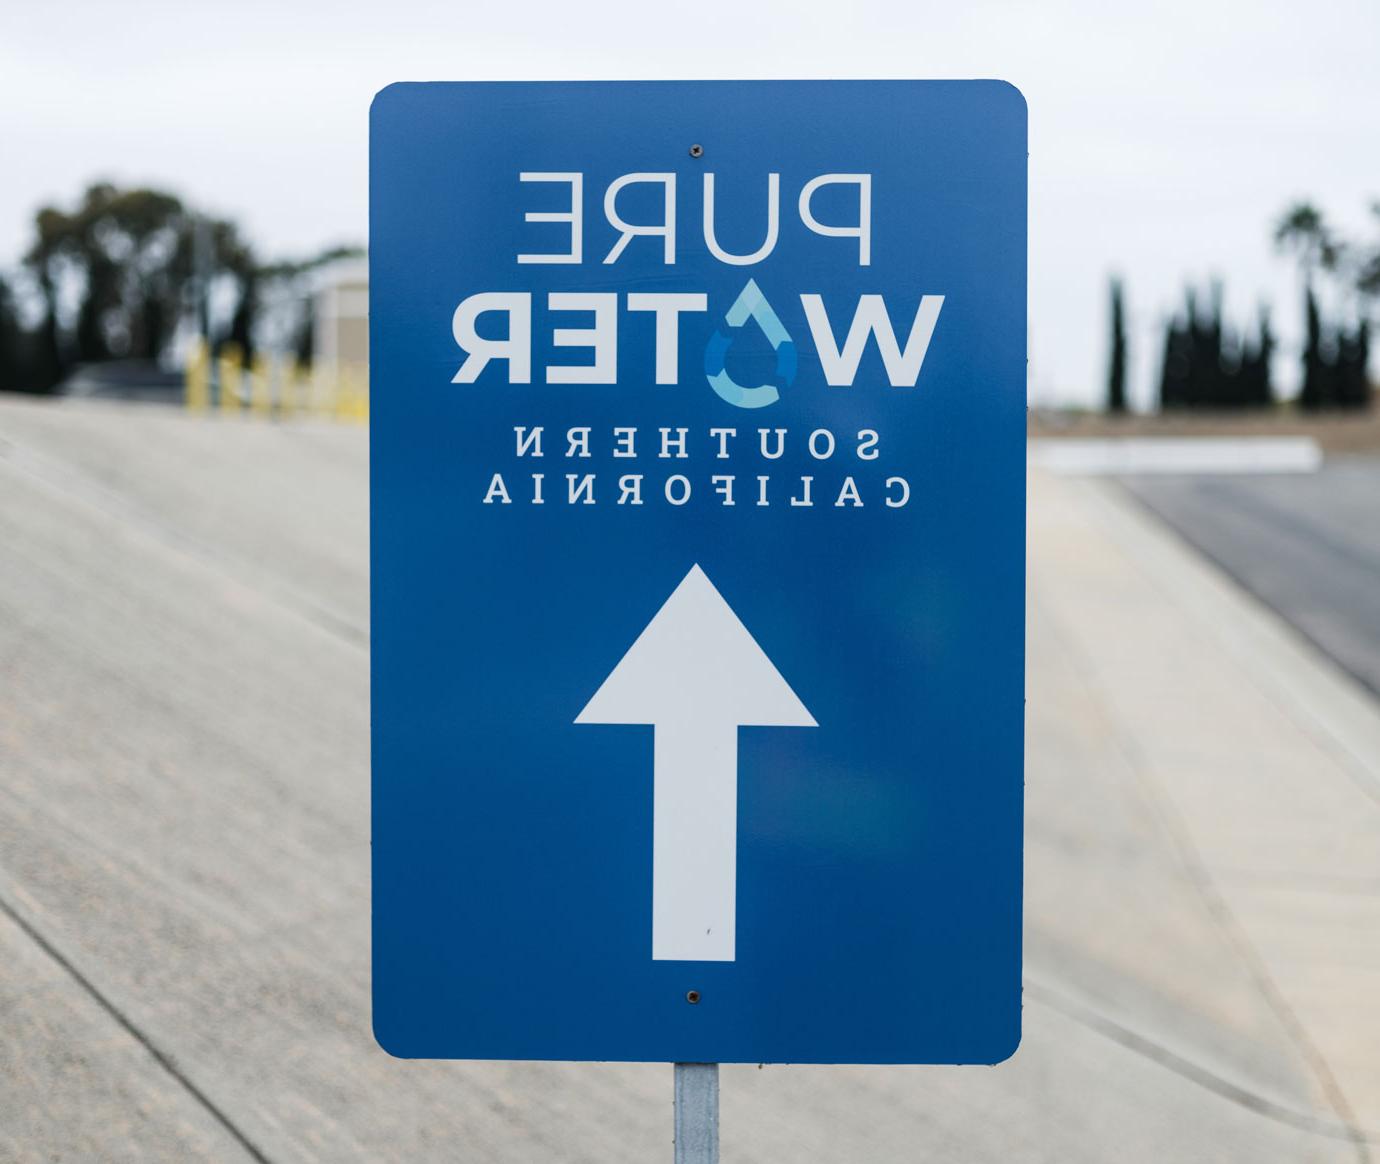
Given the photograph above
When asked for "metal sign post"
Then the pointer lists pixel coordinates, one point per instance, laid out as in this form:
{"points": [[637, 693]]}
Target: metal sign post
{"points": [[697, 1113]]}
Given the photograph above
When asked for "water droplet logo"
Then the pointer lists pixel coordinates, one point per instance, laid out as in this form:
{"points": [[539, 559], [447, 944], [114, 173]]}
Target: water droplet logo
{"points": [[750, 304]]}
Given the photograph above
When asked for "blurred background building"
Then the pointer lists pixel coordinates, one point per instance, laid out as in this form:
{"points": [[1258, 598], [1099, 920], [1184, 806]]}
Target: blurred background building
{"points": [[340, 315]]}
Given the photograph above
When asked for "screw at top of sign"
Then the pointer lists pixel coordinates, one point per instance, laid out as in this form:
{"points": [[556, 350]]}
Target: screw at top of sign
{"points": [[692, 996], [696, 150]]}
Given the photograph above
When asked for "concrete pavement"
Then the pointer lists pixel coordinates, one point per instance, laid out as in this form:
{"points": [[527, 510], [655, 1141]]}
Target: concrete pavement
{"points": [[184, 850]]}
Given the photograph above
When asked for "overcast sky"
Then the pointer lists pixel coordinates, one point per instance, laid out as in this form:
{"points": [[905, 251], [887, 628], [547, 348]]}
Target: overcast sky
{"points": [[1165, 137]]}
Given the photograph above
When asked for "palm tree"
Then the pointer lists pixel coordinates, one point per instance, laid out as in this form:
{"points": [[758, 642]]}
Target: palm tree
{"points": [[1303, 231]]}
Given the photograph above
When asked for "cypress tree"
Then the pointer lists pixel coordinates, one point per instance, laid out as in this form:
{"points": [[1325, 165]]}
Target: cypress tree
{"points": [[11, 369], [1214, 390], [1352, 387], [1262, 393], [1315, 389], [1209, 364], [1175, 390], [1200, 354], [1166, 395], [1363, 364], [1116, 375]]}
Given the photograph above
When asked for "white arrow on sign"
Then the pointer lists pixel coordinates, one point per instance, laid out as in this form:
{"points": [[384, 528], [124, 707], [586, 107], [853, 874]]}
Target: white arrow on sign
{"points": [[696, 675]]}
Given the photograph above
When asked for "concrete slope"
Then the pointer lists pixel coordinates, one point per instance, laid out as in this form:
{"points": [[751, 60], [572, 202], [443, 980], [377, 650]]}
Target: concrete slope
{"points": [[184, 851]]}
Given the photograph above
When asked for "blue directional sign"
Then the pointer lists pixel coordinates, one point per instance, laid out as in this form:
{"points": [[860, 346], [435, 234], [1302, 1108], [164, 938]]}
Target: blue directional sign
{"points": [[698, 416]]}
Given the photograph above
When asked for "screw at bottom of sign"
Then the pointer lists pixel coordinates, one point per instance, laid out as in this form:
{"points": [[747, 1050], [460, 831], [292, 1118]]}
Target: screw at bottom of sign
{"points": [[692, 996]]}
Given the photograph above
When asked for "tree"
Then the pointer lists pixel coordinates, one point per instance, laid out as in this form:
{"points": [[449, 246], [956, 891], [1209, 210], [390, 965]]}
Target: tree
{"points": [[132, 254], [304, 338], [1208, 363], [13, 374], [1368, 268], [293, 281], [241, 332], [1316, 392], [46, 365], [1351, 387], [1116, 374], [123, 270], [1174, 372], [1210, 381], [1303, 231], [1335, 357], [100, 301], [1259, 391]]}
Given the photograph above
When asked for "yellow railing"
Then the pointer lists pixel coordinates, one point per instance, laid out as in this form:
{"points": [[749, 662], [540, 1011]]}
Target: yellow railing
{"points": [[197, 391], [275, 387]]}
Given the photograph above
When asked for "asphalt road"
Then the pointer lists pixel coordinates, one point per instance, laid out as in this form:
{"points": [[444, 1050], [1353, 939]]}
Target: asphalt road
{"points": [[184, 891], [1307, 545]]}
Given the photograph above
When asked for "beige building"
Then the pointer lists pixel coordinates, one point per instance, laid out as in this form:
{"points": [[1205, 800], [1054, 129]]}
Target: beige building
{"points": [[340, 337]]}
